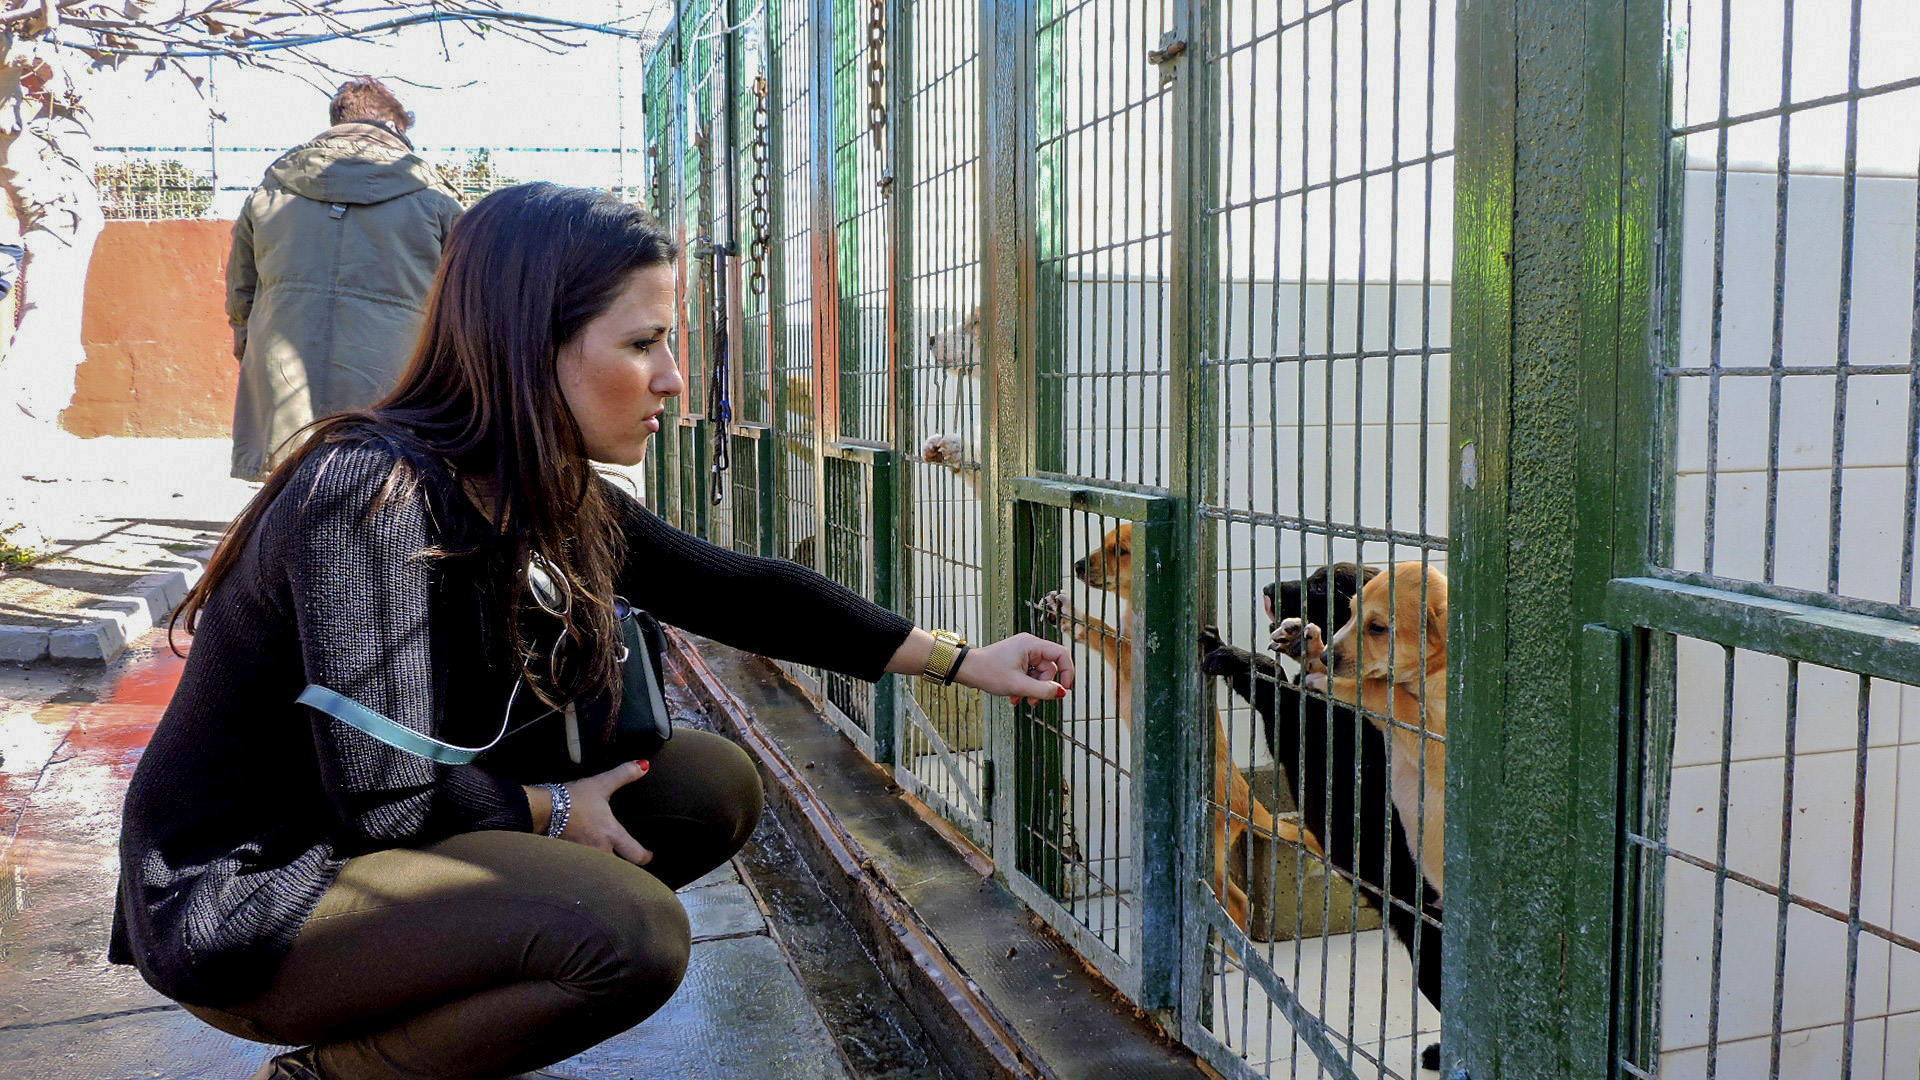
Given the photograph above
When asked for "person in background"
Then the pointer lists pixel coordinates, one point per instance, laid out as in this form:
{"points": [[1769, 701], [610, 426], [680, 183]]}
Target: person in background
{"points": [[332, 258]]}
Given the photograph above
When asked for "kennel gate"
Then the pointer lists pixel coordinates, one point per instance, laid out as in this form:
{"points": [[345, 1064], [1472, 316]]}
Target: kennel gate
{"points": [[1096, 432], [1282, 282]]}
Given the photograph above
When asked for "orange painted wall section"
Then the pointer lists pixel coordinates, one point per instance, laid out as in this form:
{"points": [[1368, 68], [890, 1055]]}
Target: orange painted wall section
{"points": [[159, 353]]}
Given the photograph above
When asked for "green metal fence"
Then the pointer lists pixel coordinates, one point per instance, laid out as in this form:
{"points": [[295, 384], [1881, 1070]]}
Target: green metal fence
{"points": [[1147, 325]]}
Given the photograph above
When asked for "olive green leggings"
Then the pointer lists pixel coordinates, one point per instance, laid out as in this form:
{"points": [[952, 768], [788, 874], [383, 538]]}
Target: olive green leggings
{"points": [[494, 953]]}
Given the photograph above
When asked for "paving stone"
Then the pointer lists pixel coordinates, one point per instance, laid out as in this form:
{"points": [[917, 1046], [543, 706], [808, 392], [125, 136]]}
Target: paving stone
{"points": [[160, 1043], [58, 877], [741, 1014], [100, 641], [23, 644], [101, 591], [721, 911]]}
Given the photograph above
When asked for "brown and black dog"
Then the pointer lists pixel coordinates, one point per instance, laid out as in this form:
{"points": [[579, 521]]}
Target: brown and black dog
{"points": [[1390, 658], [1110, 567]]}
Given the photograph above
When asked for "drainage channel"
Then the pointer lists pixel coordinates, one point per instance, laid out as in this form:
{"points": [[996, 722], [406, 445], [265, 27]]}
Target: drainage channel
{"points": [[879, 1036]]}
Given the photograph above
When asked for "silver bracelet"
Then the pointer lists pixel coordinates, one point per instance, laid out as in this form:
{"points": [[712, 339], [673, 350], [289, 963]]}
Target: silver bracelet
{"points": [[562, 808]]}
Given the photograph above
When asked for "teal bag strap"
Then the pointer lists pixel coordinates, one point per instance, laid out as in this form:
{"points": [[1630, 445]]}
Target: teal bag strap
{"points": [[355, 715]]}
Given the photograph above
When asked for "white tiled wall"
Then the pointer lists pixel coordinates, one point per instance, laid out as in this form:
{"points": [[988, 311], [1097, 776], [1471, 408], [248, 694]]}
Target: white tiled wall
{"points": [[1829, 310], [1828, 794], [1875, 449]]}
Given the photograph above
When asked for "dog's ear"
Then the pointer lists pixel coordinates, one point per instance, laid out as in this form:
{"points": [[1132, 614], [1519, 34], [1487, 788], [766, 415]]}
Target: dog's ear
{"points": [[1437, 608]]}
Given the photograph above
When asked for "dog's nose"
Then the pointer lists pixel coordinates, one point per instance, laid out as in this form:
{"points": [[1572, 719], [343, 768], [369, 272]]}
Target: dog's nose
{"points": [[1080, 568]]}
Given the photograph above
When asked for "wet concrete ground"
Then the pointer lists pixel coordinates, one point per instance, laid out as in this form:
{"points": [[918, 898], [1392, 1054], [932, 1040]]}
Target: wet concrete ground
{"points": [[71, 738]]}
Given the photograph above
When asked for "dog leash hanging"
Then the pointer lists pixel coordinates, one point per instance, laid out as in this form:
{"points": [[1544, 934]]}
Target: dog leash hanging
{"points": [[719, 400]]}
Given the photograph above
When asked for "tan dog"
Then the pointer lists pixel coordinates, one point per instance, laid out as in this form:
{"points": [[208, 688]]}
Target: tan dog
{"points": [[1391, 659], [1110, 567]]}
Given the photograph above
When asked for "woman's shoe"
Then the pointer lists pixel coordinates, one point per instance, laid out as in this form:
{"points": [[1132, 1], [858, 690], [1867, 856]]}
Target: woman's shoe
{"points": [[292, 1065]]}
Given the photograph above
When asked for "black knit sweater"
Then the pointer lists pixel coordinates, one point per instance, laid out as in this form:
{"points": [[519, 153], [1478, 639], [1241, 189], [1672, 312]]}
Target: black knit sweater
{"points": [[245, 805]]}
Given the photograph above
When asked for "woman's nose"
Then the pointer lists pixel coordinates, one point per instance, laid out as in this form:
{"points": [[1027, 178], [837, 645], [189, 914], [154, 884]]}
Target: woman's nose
{"points": [[667, 380]]}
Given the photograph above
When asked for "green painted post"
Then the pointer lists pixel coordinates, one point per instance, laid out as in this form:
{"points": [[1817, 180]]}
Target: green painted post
{"points": [[1548, 411], [901, 334], [1162, 787], [1177, 979], [767, 467], [883, 489], [1006, 344]]}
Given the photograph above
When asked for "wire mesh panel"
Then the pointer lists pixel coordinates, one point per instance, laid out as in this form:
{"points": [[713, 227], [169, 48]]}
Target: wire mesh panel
{"points": [[855, 534], [1073, 761], [792, 277], [661, 196], [704, 175], [943, 739], [723, 513], [148, 183], [1327, 363], [1777, 935], [1775, 918], [138, 186], [753, 166], [1103, 165], [1791, 246], [747, 492], [689, 461], [862, 180]]}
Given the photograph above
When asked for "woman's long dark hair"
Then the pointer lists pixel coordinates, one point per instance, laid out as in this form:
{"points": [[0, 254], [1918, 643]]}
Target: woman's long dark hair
{"points": [[521, 276]]}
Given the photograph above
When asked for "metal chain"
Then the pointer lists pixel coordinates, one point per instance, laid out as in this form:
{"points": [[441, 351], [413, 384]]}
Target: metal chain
{"points": [[762, 214], [659, 180], [877, 74]]}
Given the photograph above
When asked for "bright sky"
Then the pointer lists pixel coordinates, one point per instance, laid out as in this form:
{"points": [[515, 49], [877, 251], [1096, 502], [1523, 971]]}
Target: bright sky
{"points": [[477, 91]]}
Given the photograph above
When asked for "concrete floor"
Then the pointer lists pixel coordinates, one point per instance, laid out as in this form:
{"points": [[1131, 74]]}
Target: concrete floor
{"points": [[71, 737]]}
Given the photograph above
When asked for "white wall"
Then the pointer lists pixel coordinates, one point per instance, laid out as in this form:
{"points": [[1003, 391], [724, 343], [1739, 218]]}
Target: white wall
{"points": [[1874, 461]]}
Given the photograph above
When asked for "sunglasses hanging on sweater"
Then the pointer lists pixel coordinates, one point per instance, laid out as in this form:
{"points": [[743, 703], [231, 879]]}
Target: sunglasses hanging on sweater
{"points": [[643, 724]]}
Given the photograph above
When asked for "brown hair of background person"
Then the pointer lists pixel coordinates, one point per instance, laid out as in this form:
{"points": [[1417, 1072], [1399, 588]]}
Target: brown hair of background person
{"points": [[367, 98]]}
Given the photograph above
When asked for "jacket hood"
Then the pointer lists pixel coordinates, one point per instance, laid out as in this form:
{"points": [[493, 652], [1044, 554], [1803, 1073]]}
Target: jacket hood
{"points": [[356, 164]]}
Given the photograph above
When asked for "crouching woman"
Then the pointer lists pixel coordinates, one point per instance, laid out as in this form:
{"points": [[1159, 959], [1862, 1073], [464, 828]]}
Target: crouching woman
{"points": [[396, 814]]}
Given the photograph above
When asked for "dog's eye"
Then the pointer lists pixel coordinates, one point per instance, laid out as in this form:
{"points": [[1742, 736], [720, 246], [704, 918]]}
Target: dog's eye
{"points": [[1376, 628]]}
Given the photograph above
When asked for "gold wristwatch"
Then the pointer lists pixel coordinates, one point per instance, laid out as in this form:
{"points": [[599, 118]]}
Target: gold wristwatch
{"points": [[944, 661]]}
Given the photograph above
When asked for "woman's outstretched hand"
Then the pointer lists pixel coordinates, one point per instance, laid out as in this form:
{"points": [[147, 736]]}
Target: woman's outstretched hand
{"points": [[591, 821], [1025, 668]]}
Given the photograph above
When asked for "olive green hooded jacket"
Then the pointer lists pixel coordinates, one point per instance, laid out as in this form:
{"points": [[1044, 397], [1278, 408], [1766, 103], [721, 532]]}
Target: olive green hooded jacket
{"points": [[332, 259]]}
